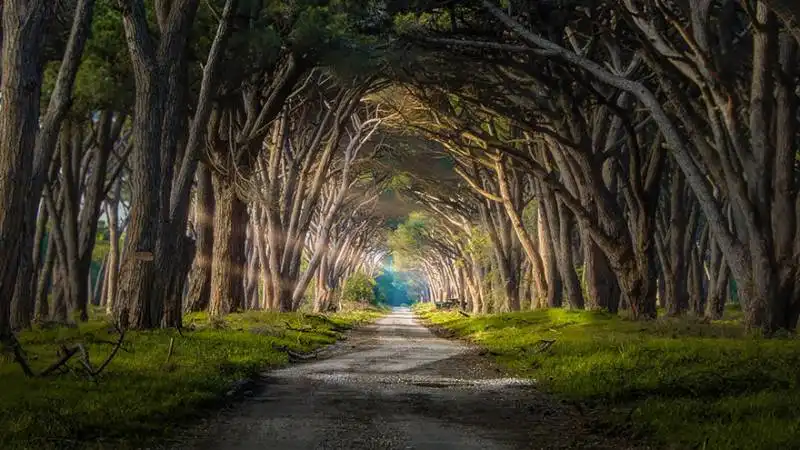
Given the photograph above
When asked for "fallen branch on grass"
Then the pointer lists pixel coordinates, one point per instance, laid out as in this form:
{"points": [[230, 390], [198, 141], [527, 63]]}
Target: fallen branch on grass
{"points": [[19, 355], [114, 350], [544, 344], [65, 355], [463, 313]]}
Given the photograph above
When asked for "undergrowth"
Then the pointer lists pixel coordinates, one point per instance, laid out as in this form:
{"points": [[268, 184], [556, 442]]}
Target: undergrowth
{"points": [[141, 397], [677, 383]]}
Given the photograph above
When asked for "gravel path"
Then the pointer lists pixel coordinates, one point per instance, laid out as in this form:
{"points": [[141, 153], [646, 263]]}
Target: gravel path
{"points": [[394, 385]]}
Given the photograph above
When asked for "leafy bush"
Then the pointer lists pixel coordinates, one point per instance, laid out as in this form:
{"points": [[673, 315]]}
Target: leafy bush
{"points": [[359, 288]]}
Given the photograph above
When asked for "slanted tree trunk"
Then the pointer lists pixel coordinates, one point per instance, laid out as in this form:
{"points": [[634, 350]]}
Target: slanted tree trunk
{"points": [[42, 306]]}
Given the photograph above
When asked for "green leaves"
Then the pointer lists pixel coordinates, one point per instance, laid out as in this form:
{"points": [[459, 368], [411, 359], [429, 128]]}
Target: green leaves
{"points": [[359, 288], [104, 77]]}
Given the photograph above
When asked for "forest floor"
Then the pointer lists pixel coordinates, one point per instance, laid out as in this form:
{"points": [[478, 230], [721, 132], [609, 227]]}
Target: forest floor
{"points": [[147, 393], [675, 383], [395, 385]]}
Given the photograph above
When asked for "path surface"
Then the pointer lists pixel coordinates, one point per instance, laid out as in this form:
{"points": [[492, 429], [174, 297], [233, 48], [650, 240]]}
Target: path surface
{"points": [[394, 385]]}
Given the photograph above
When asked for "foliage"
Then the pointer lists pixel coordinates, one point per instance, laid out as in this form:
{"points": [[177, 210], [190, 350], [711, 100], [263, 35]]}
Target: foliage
{"points": [[407, 241], [104, 78], [359, 288], [141, 396], [682, 383]]}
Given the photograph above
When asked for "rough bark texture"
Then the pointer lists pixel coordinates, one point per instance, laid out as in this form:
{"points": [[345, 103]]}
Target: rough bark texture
{"points": [[228, 260], [150, 240], [197, 298], [19, 116]]}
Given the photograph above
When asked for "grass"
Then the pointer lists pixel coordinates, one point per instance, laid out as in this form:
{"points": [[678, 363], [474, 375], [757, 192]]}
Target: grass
{"points": [[141, 397], [676, 383]]}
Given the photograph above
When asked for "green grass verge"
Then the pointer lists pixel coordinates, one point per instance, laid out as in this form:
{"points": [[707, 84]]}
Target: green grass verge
{"points": [[676, 383], [141, 398]]}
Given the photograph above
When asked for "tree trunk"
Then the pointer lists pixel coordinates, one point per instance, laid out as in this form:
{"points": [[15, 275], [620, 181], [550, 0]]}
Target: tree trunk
{"points": [[19, 122], [566, 263], [199, 293], [228, 253], [42, 307], [554, 294], [112, 273], [146, 275], [695, 285], [173, 310], [719, 278], [602, 288]]}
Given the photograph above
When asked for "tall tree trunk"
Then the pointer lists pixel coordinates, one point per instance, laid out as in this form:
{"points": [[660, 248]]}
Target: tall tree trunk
{"points": [[42, 307], [173, 305], [555, 289], [719, 279], [602, 289], [141, 295], [539, 263], [19, 121], [228, 254], [24, 303], [572, 285], [199, 293], [92, 199], [112, 273], [697, 302]]}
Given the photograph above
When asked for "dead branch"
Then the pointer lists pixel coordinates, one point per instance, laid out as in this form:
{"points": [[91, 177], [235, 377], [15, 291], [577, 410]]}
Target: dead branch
{"points": [[169, 352], [19, 356], [113, 351], [66, 354], [87, 364]]}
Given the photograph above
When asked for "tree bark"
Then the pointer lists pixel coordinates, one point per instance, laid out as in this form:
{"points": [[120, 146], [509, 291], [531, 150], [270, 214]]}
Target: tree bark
{"points": [[565, 260], [112, 273], [197, 299], [19, 116], [228, 253]]}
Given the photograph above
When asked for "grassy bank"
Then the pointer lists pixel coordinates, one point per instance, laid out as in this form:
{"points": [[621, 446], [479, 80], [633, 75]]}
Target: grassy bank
{"points": [[677, 383], [141, 396]]}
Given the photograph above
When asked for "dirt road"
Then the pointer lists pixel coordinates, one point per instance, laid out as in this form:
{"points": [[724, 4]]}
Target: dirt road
{"points": [[394, 385]]}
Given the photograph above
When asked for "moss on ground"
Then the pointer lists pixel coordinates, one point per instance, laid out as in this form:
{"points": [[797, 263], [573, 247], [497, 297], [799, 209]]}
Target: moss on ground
{"points": [[677, 383], [141, 397]]}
